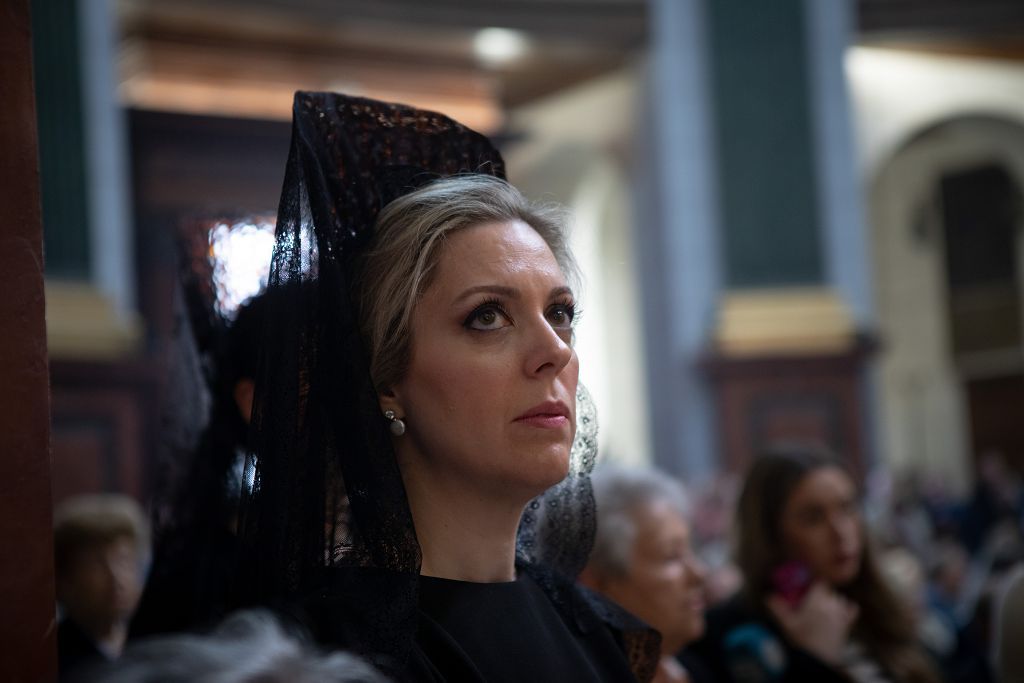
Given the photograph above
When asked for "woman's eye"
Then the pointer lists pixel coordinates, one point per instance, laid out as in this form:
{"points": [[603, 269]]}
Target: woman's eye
{"points": [[672, 555], [812, 517], [487, 317], [561, 315]]}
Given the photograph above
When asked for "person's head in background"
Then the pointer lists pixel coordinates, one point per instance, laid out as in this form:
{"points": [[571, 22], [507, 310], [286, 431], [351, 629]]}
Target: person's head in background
{"points": [[799, 503], [247, 647], [237, 367], [101, 548], [800, 506], [711, 516], [642, 557]]}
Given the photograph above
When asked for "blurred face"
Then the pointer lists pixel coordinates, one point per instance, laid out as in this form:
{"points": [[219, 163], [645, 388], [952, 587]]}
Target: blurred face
{"points": [[490, 395], [665, 582], [821, 526], [103, 585]]}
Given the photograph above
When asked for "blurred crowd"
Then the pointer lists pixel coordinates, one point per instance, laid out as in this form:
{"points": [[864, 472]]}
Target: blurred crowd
{"points": [[674, 558]]}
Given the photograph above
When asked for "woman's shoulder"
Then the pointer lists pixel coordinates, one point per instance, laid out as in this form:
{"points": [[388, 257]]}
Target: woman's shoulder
{"points": [[589, 612]]}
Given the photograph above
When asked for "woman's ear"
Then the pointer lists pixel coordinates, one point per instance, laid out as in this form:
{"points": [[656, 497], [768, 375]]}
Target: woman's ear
{"points": [[389, 400]]}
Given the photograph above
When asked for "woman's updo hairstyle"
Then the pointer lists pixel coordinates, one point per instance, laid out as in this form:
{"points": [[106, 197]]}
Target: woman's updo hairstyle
{"points": [[409, 235]]}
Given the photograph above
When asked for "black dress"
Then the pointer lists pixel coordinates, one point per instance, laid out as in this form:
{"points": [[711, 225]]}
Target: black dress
{"points": [[540, 627], [77, 652], [510, 632]]}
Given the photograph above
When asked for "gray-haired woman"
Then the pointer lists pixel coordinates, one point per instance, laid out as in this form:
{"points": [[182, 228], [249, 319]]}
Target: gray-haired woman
{"points": [[642, 559]]}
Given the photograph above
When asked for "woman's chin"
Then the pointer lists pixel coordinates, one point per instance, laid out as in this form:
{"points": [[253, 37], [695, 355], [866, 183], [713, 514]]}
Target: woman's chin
{"points": [[844, 575], [545, 471]]}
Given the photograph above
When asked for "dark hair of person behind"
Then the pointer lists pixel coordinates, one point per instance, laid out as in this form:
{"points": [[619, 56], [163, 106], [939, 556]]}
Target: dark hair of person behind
{"points": [[885, 625]]}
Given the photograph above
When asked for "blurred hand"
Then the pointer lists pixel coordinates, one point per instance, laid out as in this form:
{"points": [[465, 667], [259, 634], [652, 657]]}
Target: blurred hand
{"points": [[670, 671], [820, 624]]}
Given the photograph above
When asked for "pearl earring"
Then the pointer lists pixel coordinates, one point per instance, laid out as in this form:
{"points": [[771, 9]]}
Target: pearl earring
{"points": [[397, 426]]}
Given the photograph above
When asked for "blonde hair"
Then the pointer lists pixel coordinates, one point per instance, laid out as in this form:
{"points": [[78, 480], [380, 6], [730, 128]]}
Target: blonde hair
{"points": [[92, 520], [408, 239]]}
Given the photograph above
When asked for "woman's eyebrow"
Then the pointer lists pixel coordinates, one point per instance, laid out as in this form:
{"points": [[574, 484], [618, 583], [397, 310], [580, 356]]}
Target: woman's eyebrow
{"points": [[559, 291], [509, 292]]}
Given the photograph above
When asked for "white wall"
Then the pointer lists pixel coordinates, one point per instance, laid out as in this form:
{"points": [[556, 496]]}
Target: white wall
{"points": [[898, 93]]}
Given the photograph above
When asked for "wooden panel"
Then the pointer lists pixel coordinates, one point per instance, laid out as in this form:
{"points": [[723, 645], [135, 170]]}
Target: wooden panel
{"points": [[193, 55], [96, 442], [996, 409], [188, 167], [809, 415], [945, 16], [618, 23], [765, 399], [79, 462], [106, 421]]}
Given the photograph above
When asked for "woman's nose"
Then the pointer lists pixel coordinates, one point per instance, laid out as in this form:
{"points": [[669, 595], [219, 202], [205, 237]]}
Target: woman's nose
{"points": [[842, 526], [698, 570], [549, 350]]}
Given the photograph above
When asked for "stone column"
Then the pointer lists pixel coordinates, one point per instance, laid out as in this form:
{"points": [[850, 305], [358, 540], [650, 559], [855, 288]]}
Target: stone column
{"points": [[757, 276]]}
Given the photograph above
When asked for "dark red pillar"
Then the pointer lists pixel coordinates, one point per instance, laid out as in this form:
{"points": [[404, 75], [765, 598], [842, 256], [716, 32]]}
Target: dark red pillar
{"points": [[27, 630]]}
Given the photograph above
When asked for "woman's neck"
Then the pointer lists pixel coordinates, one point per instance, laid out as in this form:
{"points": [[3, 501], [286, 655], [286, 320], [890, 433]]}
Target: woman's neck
{"points": [[464, 534]]}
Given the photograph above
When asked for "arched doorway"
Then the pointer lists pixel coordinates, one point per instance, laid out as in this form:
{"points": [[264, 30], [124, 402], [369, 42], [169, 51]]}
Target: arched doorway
{"points": [[948, 252]]}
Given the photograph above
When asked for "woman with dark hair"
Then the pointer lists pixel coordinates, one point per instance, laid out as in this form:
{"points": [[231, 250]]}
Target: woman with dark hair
{"points": [[417, 418], [814, 605]]}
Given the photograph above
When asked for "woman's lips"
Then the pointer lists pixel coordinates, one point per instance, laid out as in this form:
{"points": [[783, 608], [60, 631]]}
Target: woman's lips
{"points": [[544, 421], [845, 559], [546, 415], [695, 605]]}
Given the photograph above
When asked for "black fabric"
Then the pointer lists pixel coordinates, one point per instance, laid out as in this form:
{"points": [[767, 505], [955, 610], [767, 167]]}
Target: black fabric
{"points": [[196, 508], [188, 589], [619, 641], [510, 632], [77, 653], [742, 646], [696, 668], [326, 528]]}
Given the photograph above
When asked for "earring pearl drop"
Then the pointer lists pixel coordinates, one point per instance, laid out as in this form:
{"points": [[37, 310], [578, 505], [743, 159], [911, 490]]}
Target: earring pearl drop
{"points": [[397, 426]]}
